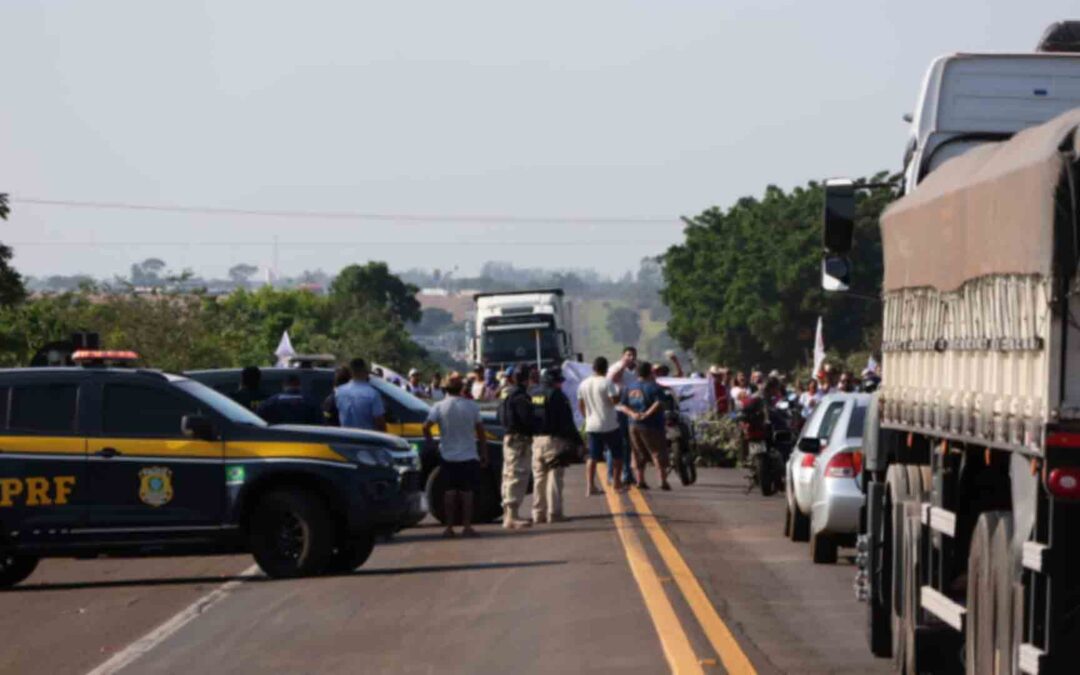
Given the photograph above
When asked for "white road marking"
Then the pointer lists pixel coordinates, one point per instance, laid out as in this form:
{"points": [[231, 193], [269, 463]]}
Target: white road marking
{"points": [[128, 655]]}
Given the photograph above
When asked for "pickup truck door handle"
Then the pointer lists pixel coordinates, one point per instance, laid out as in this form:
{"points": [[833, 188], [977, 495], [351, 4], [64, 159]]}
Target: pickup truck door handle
{"points": [[108, 452]]}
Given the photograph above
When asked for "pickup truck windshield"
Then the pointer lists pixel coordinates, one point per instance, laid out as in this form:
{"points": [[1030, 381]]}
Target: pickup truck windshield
{"points": [[220, 403], [511, 346]]}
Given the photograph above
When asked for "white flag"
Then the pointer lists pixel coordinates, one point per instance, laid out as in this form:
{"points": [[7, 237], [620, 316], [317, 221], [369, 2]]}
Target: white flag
{"points": [[819, 349], [284, 350]]}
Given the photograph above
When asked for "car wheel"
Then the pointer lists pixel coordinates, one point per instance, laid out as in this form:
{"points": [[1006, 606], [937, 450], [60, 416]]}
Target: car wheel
{"points": [[15, 568], [292, 534], [351, 554], [787, 519], [822, 549], [800, 525]]}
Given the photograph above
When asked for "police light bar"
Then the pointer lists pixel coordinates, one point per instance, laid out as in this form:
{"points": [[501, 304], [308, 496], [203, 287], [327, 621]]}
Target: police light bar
{"points": [[91, 356]]}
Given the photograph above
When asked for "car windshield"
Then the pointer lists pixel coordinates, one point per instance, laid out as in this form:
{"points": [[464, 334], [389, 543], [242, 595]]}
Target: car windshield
{"points": [[221, 404]]}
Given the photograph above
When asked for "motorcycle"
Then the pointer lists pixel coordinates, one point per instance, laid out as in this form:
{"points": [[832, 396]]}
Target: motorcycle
{"points": [[767, 435], [680, 438]]}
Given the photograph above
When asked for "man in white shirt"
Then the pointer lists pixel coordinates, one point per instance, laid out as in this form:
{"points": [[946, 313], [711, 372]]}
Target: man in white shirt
{"points": [[624, 375], [597, 398], [462, 450]]}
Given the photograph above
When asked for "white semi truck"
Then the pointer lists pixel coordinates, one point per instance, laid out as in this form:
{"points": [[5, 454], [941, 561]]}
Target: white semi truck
{"points": [[522, 327], [969, 555]]}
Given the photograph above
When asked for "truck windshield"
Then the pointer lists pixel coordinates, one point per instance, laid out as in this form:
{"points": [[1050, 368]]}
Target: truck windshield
{"points": [[511, 346]]}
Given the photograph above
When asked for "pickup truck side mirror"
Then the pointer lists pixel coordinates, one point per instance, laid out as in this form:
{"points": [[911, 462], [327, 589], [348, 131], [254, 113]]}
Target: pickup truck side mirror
{"points": [[197, 427], [809, 445]]}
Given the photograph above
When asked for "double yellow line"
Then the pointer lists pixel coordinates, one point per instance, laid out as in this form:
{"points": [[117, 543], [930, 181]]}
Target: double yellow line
{"points": [[673, 637]]}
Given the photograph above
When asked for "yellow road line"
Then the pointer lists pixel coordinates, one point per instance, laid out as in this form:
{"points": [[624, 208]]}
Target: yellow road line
{"points": [[731, 654], [673, 639]]}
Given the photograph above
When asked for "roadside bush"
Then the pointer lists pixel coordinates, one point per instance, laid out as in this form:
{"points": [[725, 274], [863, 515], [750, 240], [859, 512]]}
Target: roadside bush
{"points": [[718, 439]]}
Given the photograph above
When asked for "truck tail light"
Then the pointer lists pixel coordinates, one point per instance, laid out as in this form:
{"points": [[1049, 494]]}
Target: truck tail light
{"points": [[808, 461], [843, 465], [1064, 482]]}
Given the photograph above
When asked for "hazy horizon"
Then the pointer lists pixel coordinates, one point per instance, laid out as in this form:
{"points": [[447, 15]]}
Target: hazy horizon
{"points": [[457, 124]]}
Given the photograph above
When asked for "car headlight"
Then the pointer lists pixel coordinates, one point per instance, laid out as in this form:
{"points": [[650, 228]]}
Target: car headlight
{"points": [[366, 455]]}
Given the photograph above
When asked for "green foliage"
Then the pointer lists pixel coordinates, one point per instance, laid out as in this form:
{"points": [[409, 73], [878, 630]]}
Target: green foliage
{"points": [[624, 324], [744, 288], [12, 290], [718, 439], [182, 331], [374, 285]]}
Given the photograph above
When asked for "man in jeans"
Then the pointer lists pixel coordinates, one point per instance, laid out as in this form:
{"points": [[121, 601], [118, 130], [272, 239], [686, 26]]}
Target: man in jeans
{"points": [[597, 398], [516, 416], [463, 451], [555, 441], [643, 404]]}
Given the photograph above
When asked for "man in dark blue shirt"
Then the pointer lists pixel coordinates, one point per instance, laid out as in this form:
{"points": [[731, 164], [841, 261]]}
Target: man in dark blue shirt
{"points": [[642, 402], [290, 406]]}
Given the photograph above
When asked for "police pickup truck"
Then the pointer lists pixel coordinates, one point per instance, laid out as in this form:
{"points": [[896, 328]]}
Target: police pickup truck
{"points": [[405, 416], [118, 461]]}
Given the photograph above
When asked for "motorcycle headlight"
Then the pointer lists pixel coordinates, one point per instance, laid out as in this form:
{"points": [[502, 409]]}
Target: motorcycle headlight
{"points": [[366, 455]]}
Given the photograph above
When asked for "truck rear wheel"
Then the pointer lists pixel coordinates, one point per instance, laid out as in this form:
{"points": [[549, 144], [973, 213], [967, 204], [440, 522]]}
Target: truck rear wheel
{"points": [[292, 534], [979, 633], [906, 646], [15, 568], [1008, 599]]}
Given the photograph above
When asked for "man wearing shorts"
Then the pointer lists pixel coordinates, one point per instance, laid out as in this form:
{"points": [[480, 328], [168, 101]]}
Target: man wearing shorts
{"points": [[642, 402], [462, 449], [597, 398]]}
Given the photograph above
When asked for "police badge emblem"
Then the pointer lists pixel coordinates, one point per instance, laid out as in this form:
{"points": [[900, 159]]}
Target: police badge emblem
{"points": [[155, 485]]}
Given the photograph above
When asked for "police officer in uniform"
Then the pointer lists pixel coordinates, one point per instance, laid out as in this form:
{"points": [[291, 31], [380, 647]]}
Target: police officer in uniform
{"points": [[555, 443], [518, 419], [248, 394], [290, 406]]}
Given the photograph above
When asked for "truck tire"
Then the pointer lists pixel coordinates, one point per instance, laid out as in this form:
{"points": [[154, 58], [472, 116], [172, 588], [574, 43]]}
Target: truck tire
{"points": [[879, 574], [979, 629], [292, 534], [906, 650], [15, 568], [897, 493], [822, 548], [351, 554], [1005, 576]]}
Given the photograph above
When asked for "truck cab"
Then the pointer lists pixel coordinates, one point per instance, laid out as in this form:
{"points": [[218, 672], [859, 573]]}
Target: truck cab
{"points": [[525, 326], [969, 99]]}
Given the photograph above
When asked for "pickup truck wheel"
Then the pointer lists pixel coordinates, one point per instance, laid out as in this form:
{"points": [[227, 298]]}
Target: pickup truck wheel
{"points": [[822, 549], [1005, 575], [15, 568], [351, 554], [979, 633], [292, 534]]}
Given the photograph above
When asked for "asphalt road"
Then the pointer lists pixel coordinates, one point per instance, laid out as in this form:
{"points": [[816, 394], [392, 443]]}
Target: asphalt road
{"points": [[599, 593]]}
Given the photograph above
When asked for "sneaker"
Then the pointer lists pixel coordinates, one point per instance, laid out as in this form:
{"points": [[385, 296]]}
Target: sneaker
{"points": [[643, 486]]}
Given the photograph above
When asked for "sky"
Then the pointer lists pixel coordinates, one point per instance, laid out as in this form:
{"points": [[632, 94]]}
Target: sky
{"points": [[458, 124]]}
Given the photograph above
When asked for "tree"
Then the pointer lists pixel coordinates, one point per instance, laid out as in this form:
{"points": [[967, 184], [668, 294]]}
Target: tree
{"points": [[745, 284], [434, 320], [241, 274], [12, 290], [148, 272], [374, 285], [624, 324]]}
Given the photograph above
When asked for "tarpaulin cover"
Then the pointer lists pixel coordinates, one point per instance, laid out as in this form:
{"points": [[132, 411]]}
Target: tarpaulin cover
{"points": [[988, 211]]}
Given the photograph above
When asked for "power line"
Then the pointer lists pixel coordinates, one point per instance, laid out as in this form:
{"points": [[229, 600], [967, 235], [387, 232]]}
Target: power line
{"points": [[299, 244], [353, 215]]}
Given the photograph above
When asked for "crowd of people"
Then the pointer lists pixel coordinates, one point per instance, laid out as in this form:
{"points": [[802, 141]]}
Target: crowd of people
{"points": [[622, 404]]}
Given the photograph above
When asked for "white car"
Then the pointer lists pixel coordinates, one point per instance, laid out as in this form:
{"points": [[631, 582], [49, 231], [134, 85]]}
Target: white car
{"points": [[836, 496], [800, 466]]}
